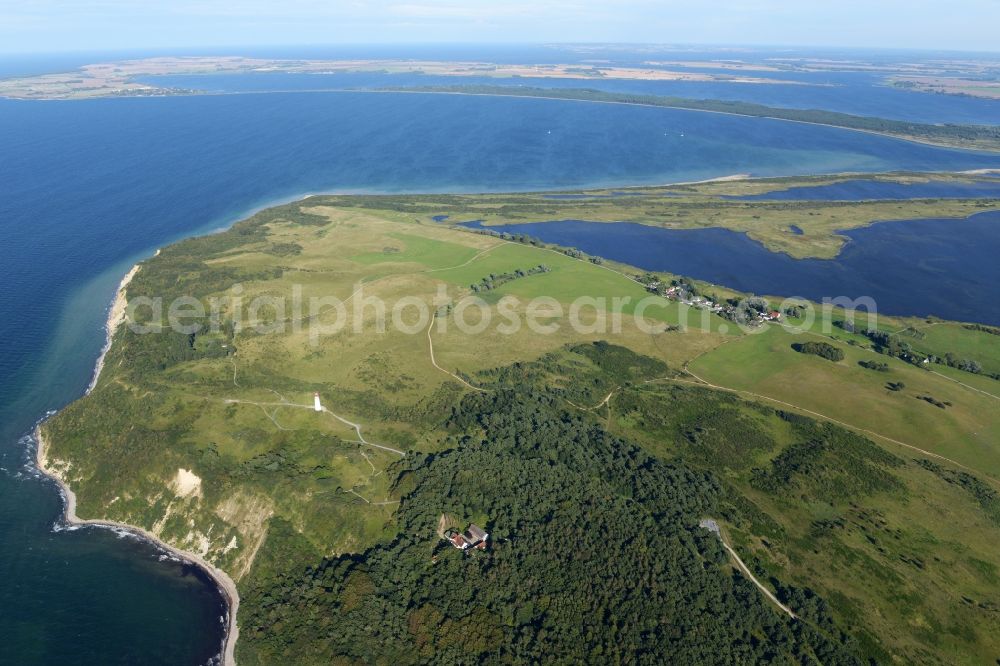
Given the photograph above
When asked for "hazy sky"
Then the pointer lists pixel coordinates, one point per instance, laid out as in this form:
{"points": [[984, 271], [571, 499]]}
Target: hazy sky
{"points": [[63, 25]]}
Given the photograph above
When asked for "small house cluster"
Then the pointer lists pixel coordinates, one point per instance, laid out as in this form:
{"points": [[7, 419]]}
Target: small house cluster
{"points": [[752, 311], [474, 537], [677, 290], [676, 293]]}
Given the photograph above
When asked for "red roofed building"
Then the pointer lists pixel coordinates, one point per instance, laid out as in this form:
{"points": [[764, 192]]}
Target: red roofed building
{"points": [[474, 537]]}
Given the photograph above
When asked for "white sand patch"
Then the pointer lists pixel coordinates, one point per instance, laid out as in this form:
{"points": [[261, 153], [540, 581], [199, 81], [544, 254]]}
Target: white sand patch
{"points": [[116, 317], [249, 514], [187, 483], [58, 468], [198, 543], [232, 545]]}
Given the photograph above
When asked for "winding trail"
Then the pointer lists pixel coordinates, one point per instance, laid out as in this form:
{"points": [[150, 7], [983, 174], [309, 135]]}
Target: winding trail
{"points": [[960, 383], [603, 402], [712, 525], [351, 424], [463, 265], [430, 346], [235, 383], [357, 429], [753, 579]]}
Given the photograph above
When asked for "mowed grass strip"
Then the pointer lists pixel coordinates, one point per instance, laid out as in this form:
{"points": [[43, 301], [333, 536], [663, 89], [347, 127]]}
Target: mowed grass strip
{"points": [[411, 248], [569, 279]]}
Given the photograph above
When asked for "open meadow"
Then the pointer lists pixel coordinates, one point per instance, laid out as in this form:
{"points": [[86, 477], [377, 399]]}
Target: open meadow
{"points": [[338, 355]]}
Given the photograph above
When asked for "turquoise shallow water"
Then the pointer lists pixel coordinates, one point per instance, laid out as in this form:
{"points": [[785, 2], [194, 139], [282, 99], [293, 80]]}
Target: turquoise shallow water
{"points": [[89, 187]]}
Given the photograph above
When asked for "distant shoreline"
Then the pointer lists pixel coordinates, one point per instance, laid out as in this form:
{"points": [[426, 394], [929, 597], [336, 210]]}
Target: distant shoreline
{"points": [[990, 148], [815, 123]]}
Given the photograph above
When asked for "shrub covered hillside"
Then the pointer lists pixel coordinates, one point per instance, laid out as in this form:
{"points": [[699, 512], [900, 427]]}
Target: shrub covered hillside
{"points": [[595, 554]]}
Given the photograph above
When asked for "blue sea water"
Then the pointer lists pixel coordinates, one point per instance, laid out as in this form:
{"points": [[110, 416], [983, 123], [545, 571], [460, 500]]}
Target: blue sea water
{"points": [[852, 92], [89, 187]]}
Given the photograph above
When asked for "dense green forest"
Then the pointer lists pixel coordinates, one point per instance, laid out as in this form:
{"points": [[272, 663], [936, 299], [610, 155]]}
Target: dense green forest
{"points": [[595, 554], [821, 349], [596, 551], [979, 136]]}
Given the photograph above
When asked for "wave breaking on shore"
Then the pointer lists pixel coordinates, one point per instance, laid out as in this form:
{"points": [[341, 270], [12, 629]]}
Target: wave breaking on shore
{"points": [[71, 521]]}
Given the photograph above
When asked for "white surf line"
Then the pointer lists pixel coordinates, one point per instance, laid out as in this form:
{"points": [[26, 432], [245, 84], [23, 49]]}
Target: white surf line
{"points": [[116, 317], [222, 579], [430, 346]]}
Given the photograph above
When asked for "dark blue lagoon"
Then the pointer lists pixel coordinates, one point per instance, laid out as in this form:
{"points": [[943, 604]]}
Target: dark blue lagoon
{"points": [[89, 187], [947, 268], [854, 190]]}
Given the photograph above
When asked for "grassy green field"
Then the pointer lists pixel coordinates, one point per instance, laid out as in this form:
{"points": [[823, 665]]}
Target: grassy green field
{"points": [[766, 365], [903, 557], [410, 248], [902, 552], [246, 410], [941, 338]]}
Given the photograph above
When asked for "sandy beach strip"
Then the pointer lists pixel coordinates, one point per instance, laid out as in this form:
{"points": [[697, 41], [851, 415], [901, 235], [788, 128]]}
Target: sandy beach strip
{"points": [[116, 316]]}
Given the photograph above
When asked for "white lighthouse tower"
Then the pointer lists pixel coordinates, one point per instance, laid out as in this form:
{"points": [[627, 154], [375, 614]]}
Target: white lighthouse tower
{"points": [[316, 403]]}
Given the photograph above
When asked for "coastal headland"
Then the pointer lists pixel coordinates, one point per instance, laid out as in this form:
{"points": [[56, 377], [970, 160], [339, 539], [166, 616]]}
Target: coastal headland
{"points": [[117, 317], [221, 578], [326, 395]]}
